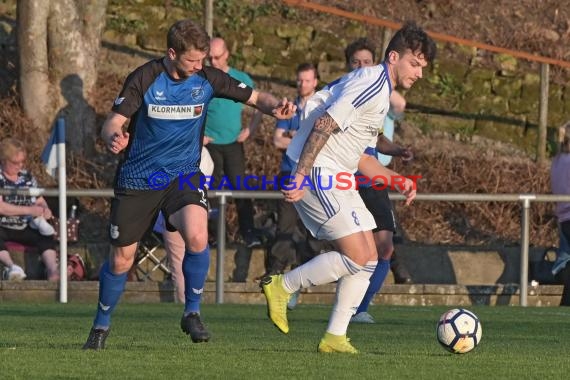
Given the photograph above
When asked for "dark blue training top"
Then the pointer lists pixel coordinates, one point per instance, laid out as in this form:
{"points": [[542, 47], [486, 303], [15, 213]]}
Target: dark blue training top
{"points": [[167, 120]]}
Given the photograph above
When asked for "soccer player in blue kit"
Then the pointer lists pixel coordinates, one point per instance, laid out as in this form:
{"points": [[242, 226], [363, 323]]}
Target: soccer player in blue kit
{"points": [[166, 100]]}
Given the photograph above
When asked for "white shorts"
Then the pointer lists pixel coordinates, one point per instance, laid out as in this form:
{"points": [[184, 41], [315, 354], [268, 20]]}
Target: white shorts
{"points": [[331, 214]]}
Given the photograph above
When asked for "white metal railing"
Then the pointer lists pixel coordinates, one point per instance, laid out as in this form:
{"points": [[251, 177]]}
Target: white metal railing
{"points": [[524, 199]]}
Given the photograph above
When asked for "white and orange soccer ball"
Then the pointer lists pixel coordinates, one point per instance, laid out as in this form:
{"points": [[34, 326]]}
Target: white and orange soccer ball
{"points": [[459, 331]]}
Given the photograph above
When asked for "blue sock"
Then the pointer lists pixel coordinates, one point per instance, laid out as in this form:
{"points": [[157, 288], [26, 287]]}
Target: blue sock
{"points": [[111, 286], [195, 268], [376, 281]]}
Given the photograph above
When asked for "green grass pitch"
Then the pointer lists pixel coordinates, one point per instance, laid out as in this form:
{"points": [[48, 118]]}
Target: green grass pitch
{"points": [[43, 341]]}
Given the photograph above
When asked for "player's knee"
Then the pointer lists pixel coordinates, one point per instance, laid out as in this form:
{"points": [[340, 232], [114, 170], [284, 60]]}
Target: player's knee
{"points": [[121, 264], [198, 241], [123, 259], [360, 258]]}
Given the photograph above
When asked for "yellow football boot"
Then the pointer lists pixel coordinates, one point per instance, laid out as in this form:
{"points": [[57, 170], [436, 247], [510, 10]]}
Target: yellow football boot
{"points": [[336, 343], [277, 298]]}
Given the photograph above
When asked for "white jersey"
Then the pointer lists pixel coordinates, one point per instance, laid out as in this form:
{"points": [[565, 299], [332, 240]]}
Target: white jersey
{"points": [[358, 102]]}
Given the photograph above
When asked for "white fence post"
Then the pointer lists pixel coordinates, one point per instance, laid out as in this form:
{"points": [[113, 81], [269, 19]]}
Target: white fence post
{"points": [[525, 230], [221, 248]]}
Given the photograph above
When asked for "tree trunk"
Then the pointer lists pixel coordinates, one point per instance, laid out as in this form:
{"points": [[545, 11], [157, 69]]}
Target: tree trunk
{"points": [[70, 31], [33, 51]]}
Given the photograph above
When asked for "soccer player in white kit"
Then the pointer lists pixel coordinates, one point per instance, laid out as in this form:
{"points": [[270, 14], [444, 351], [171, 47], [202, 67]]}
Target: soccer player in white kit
{"points": [[338, 124]]}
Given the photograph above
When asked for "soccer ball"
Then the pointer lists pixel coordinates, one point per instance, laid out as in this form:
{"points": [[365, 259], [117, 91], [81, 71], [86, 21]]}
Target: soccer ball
{"points": [[459, 331]]}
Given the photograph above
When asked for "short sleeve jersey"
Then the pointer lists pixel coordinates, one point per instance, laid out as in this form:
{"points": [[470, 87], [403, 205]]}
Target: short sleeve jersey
{"points": [[24, 181], [358, 102], [223, 123], [167, 121]]}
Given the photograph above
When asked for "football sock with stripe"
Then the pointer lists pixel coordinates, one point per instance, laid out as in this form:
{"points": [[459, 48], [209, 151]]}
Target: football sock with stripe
{"points": [[322, 269], [376, 282], [349, 293]]}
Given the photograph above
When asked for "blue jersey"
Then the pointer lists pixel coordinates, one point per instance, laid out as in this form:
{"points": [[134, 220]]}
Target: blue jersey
{"points": [[167, 121], [289, 126]]}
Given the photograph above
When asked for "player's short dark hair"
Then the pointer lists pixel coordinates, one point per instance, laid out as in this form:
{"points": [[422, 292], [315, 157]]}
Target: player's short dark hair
{"points": [[187, 34], [308, 67], [360, 44], [414, 38]]}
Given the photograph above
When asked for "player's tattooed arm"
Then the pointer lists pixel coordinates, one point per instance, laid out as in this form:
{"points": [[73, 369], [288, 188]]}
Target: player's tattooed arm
{"points": [[322, 130]]}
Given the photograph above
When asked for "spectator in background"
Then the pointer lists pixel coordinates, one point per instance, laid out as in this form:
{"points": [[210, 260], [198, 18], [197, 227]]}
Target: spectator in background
{"points": [[23, 218], [224, 138], [560, 182]]}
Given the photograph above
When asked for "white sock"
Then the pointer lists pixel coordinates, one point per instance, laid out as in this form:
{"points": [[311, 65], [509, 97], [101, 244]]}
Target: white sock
{"points": [[349, 293], [322, 269]]}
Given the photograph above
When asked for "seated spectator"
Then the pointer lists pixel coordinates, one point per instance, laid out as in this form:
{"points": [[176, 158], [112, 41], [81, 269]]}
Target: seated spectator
{"points": [[18, 211]]}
